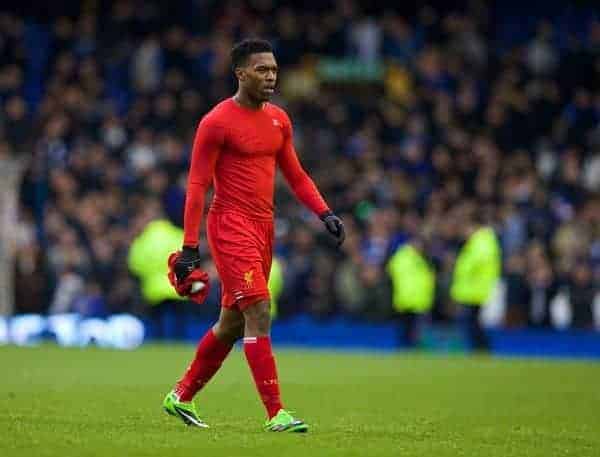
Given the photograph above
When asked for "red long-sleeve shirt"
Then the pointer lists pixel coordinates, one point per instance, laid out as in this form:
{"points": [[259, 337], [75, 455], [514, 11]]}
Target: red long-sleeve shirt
{"points": [[237, 148]]}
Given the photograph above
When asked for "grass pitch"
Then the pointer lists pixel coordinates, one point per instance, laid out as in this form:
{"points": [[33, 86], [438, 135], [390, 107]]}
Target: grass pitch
{"points": [[93, 402]]}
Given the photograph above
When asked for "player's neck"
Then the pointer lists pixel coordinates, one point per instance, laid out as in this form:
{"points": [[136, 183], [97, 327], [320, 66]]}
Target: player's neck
{"points": [[247, 102]]}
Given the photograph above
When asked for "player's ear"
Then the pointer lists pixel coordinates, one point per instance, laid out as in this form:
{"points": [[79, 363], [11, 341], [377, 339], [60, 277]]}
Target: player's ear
{"points": [[240, 73]]}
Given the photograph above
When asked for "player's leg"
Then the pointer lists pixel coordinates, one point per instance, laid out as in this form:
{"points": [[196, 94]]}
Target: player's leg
{"points": [[259, 354], [212, 350]]}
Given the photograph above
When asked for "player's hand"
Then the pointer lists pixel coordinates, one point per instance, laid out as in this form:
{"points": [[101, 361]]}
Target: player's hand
{"points": [[186, 263], [192, 282], [335, 226]]}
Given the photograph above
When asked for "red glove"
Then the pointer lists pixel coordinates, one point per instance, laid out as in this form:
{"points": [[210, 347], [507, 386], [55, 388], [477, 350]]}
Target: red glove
{"points": [[192, 281]]}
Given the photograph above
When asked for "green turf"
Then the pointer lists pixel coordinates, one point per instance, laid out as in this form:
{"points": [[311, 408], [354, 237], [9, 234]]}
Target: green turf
{"points": [[92, 402]]}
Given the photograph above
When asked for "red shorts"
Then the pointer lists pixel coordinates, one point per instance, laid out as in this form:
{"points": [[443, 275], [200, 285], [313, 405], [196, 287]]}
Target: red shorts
{"points": [[242, 250]]}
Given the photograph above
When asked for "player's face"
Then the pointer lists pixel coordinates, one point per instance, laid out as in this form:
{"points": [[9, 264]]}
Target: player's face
{"points": [[259, 76]]}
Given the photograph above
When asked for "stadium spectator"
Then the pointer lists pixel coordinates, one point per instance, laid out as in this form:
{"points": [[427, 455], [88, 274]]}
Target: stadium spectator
{"points": [[105, 104]]}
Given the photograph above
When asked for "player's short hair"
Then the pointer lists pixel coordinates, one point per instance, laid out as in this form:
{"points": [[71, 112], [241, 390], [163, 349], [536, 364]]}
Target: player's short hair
{"points": [[242, 50]]}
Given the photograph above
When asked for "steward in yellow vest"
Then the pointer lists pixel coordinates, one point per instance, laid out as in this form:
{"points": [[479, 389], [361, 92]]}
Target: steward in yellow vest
{"points": [[476, 272], [413, 288]]}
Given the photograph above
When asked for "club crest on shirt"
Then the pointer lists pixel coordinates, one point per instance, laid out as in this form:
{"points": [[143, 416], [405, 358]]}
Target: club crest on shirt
{"points": [[276, 123], [249, 278]]}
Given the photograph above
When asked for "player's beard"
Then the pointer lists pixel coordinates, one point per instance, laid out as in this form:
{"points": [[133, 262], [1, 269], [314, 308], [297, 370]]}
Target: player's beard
{"points": [[264, 96], [258, 93], [263, 92]]}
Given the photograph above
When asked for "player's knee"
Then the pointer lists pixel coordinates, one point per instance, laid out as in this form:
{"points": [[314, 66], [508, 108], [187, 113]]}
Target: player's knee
{"points": [[230, 331], [257, 319], [237, 332]]}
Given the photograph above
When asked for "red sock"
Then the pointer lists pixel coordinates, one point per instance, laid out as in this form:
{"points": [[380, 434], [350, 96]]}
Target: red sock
{"points": [[209, 356], [262, 364]]}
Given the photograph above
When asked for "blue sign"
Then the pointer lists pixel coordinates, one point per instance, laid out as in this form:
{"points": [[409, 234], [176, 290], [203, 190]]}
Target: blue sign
{"points": [[120, 331]]}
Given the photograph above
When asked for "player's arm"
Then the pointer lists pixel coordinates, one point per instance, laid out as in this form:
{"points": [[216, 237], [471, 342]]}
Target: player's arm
{"points": [[304, 187], [205, 152]]}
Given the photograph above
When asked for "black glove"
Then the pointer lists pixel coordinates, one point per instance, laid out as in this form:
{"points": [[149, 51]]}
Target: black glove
{"points": [[335, 226], [186, 263]]}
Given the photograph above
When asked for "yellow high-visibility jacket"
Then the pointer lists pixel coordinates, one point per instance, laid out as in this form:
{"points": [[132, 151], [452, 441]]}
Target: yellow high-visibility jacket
{"points": [[413, 280], [148, 256], [275, 285], [477, 269]]}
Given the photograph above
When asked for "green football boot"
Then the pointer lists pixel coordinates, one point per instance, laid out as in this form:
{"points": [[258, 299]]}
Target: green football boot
{"points": [[283, 421], [185, 410]]}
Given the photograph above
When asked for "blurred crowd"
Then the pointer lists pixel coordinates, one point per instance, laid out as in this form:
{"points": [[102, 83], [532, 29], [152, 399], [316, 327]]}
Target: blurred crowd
{"points": [[103, 105]]}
